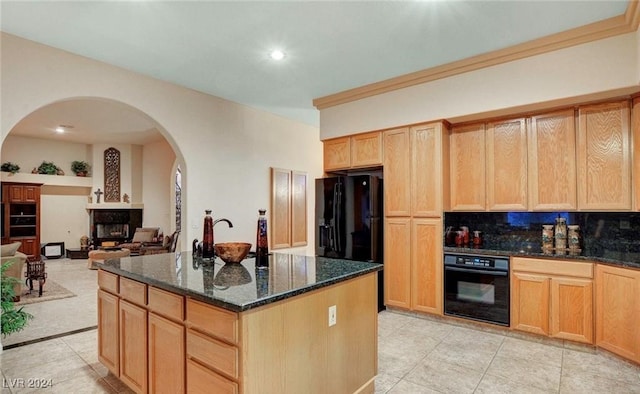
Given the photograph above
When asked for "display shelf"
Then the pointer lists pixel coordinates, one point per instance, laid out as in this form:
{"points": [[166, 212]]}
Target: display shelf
{"points": [[47, 180]]}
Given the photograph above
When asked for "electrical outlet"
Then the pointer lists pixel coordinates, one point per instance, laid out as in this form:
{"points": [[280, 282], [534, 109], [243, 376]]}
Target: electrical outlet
{"points": [[333, 315]]}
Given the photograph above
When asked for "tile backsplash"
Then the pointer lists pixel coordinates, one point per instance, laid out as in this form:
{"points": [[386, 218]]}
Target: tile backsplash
{"points": [[602, 232]]}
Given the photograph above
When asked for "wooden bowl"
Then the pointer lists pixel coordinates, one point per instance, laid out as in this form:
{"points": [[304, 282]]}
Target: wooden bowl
{"points": [[232, 252]]}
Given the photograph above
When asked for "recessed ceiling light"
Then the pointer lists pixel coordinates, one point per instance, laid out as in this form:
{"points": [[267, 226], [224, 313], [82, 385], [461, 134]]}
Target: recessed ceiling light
{"points": [[63, 127], [59, 129], [277, 54]]}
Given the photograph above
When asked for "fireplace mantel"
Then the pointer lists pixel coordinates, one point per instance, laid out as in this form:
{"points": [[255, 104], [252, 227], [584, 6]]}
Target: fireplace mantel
{"points": [[114, 205]]}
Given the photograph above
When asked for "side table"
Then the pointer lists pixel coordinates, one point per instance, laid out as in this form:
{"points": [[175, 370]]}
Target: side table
{"points": [[78, 253]]}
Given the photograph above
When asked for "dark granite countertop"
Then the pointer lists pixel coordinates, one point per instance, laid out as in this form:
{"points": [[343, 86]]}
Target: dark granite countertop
{"points": [[620, 259], [238, 287]]}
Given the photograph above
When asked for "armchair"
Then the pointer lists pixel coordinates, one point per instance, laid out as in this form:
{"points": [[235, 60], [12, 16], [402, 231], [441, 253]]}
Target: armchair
{"points": [[168, 246], [142, 236], [10, 252]]}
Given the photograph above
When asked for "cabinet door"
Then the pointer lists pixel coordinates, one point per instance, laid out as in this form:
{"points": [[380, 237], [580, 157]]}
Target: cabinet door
{"points": [[108, 333], [337, 154], [618, 311], [366, 149], [552, 161], [133, 346], [397, 173], [201, 380], [397, 262], [31, 194], [426, 265], [604, 157], [572, 309], [166, 356], [29, 246], [635, 126], [530, 303], [467, 168], [427, 170], [15, 193]]}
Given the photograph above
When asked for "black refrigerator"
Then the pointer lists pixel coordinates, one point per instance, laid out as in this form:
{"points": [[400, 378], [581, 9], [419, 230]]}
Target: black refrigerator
{"points": [[349, 220]]}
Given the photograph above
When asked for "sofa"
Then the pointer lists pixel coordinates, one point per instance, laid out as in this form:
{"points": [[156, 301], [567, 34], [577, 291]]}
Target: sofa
{"points": [[142, 236], [9, 252]]}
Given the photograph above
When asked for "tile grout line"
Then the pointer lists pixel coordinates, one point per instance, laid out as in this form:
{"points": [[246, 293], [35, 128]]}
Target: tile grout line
{"points": [[48, 338], [484, 373]]}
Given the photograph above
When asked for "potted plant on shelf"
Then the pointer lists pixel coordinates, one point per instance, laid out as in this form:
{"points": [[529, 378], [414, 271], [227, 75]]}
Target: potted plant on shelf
{"points": [[10, 167], [49, 168], [80, 168]]}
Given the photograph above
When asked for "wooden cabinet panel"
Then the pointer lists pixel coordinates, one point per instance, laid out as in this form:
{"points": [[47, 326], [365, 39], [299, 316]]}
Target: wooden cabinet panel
{"points": [[604, 157], [108, 281], [635, 127], [15, 193], [166, 355], [29, 246], [133, 291], [201, 380], [397, 260], [553, 267], [298, 208], [166, 304], [397, 172], [133, 346], [530, 303], [506, 161], [31, 193], [337, 154], [552, 162], [467, 168], [214, 354], [108, 332], [427, 173], [214, 321], [426, 265], [21, 216], [572, 309], [618, 310], [366, 150], [280, 227]]}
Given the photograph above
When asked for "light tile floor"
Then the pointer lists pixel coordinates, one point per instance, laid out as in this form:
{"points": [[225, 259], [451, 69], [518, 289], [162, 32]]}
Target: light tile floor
{"points": [[415, 355]]}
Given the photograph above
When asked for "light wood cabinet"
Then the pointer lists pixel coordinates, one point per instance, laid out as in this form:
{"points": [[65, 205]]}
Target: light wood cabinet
{"points": [[397, 262], [366, 150], [618, 310], [337, 154], [202, 380], [635, 127], [108, 332], [357, 151], [604, 157], [429, 175], [426, 265], [133, 346], [467, 168], [552, 162], [397, 172], [553, 298], [166, 355], [506, 165]]}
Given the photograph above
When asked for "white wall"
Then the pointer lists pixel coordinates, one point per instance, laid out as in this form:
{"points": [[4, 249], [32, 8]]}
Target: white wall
{"points": [[226, 148], [157, 183], [130, 161], [598, 66], [29, 153], [63, 217]]}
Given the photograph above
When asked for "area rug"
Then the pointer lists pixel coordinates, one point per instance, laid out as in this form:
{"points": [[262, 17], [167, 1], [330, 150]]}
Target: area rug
{"points": [[51, 291]]}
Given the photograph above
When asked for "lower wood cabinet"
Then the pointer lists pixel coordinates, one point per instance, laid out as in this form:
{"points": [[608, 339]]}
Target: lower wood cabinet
{"points": [[202, 380], [553, 298], [133, 346], [413, 264], [166, 355], [618, 310], [108, 338]]}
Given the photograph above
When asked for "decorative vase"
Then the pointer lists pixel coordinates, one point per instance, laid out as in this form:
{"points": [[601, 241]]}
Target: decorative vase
{"points": [[207, 236], [547, 236], [262, 244], [573, 236], [560, 233]]}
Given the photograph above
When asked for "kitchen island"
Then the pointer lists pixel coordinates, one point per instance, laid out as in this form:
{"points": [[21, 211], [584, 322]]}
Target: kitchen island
{"points": [[176, 323]]}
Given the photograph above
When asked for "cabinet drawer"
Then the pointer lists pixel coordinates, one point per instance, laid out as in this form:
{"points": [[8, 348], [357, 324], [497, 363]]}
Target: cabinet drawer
{"points": [[133, 291], [167, 304], [201, 380], [108, 281], [211, 320], [553, 267], [212, 353]]}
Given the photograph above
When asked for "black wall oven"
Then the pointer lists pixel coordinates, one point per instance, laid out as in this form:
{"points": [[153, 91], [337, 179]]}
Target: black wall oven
{"points": [[477, 287]]}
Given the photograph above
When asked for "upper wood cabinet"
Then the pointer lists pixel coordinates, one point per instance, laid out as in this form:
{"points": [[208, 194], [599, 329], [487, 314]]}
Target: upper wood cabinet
{"points": [[397, 172], [618, 310], [635, 126], [552, 161], [429, 179], [506, 157], [604, 157], [467, 168], [361, 150]]}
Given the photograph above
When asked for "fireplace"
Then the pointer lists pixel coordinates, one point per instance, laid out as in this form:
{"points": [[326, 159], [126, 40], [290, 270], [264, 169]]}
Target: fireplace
{"points": [[114, 225]]}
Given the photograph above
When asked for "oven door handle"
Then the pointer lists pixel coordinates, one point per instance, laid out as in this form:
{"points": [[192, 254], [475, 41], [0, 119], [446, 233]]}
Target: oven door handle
{"points": [[472, 271]]}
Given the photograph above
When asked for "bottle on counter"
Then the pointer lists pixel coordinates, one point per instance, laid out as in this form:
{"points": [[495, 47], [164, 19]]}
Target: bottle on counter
{"points": [[547, 237], [560, 234], [573, 236], [208, 251], [262, 243]]}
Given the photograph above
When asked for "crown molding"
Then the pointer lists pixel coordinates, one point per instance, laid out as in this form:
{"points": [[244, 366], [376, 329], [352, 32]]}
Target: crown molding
{"points": [[621, 24]]}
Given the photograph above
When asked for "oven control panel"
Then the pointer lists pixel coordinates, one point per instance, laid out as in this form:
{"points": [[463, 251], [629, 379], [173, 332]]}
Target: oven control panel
{"points": [[478, 261]]}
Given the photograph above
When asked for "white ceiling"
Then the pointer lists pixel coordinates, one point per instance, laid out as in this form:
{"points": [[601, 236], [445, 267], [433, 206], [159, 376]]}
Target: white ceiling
{"points": [[221, 48]]}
